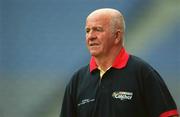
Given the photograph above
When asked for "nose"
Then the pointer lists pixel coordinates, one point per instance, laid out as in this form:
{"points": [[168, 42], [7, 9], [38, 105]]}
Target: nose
{"points": [[91, 35]]}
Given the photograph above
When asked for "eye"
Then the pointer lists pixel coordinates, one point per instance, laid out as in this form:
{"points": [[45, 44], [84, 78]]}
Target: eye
{"points": [[87, 30], [99, 29]]}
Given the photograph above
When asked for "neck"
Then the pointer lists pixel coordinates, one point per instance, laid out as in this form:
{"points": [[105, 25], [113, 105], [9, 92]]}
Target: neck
{"points": [[105, 62]]}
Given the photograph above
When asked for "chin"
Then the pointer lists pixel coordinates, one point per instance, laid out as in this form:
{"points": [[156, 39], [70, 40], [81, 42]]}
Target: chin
{"points": [[93, 53]]}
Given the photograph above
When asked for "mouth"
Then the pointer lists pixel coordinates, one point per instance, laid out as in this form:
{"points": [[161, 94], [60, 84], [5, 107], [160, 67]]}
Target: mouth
{"points": [[93, 44]]}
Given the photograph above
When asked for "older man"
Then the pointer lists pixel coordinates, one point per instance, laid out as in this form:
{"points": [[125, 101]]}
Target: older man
{"points": [[115, 83]]}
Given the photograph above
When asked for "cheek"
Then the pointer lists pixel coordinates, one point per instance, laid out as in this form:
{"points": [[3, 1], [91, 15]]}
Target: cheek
{"points": [[87, 43], [86, 39], [107, 43]]}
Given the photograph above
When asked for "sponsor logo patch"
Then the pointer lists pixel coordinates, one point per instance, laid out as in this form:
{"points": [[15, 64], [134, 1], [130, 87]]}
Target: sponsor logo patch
{"points": [[122, 95]]}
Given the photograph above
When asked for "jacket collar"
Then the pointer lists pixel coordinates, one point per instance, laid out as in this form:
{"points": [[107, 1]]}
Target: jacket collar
{"points": [[119, 62]]}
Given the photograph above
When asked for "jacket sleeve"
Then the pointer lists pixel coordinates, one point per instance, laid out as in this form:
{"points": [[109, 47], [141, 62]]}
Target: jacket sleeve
{"points": [[68, 108], [159, 101]]}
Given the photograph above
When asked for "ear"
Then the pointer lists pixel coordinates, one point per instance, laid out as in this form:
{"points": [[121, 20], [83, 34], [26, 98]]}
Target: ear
{"points": [[118, 37]]}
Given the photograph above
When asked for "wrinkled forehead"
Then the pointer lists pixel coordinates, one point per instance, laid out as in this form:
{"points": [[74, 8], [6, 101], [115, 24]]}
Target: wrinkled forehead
{"points": [[98, 15], [98, 18]]}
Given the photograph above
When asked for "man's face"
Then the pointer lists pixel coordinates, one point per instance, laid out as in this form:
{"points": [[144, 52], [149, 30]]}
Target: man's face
{"points": [[99, 36]]}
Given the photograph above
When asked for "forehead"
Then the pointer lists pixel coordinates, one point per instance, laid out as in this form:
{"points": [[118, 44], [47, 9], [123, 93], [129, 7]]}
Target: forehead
{"points": [[97, 20]]}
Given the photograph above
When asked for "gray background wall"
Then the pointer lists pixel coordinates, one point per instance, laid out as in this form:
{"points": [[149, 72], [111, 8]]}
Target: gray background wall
{"points": [[42, 42]]}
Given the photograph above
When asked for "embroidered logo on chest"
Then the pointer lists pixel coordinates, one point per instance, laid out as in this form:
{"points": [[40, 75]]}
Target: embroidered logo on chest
{"points": [[86, 101], [122, 95]]}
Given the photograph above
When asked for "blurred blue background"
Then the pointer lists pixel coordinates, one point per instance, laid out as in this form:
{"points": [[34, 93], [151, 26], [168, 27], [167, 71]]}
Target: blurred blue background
{"points": [[42, 43]]}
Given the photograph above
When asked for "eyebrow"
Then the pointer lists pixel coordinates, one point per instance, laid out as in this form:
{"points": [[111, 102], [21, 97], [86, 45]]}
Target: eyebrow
{"points": [[94, 27]]}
